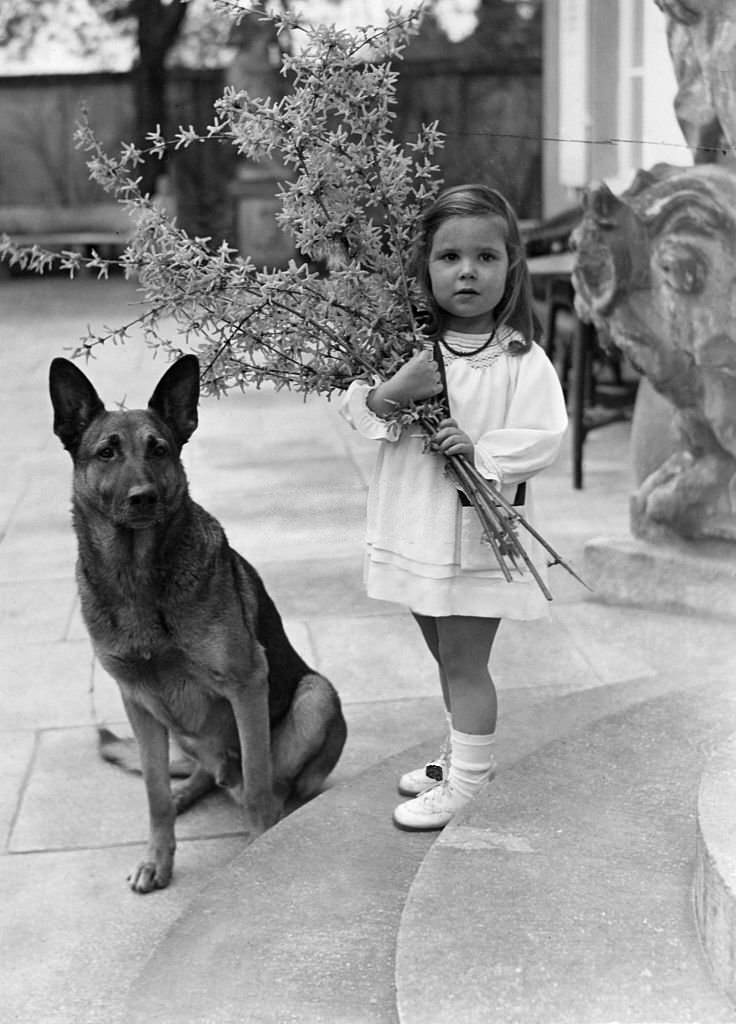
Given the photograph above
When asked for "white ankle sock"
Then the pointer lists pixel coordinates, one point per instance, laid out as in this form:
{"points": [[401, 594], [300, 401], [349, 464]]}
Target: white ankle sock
{"points": [[472, 762]]}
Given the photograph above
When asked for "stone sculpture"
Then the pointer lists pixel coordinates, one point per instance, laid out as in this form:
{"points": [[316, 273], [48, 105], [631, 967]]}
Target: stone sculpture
{"points": [[702, 40], [656, 270], [656, 273]]}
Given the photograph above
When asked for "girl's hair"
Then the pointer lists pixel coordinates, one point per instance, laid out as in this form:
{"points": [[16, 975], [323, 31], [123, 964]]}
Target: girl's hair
{"points": [[515, 308]]}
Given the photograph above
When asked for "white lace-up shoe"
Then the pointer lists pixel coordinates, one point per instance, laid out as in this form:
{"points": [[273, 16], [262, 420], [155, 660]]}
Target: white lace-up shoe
{"points": [[421, 779], [430, 810]]}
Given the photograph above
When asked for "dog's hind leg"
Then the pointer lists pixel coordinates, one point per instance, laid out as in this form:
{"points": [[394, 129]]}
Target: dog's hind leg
{"points": [[312, 778], [123, 752], [250, 707], [186, 793], [306, 745]]}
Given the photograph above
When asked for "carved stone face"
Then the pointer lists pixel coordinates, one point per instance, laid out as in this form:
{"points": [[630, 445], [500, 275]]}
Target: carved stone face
{"points": [[657, 269]]}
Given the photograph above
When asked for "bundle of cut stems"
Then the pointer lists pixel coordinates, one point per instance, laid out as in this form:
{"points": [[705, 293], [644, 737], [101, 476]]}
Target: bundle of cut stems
{"points": [[500, 521]]}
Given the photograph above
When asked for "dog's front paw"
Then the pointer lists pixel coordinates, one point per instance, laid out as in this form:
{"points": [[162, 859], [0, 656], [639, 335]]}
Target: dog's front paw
{"points": [[149, 875]]}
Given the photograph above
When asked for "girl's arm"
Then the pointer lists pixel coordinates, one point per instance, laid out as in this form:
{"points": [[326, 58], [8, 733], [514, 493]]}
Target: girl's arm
{"points": [[416, 379], [353, 406], [534, 426], [366, 406]]}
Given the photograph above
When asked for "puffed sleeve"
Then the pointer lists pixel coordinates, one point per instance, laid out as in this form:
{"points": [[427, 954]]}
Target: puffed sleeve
{"points": [[534, 426], [353, 406]]}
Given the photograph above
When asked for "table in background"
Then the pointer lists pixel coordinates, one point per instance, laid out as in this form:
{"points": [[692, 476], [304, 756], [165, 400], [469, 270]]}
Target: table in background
{"points": [[552, 274]]}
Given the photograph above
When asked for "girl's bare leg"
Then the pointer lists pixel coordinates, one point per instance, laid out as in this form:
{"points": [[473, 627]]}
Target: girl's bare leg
{"points": [[464, 645], [428, 626], [419, 779]]}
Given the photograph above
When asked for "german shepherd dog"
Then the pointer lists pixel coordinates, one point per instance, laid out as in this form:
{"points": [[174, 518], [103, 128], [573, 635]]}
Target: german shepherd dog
{"points": [[182, 622]]}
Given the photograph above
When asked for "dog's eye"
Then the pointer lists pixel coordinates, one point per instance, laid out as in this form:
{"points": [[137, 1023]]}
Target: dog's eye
{"points": [[158, 448], [106, 453]]}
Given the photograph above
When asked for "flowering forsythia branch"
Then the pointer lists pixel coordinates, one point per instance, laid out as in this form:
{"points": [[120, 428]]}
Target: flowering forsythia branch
{"points": [[351, 195]]}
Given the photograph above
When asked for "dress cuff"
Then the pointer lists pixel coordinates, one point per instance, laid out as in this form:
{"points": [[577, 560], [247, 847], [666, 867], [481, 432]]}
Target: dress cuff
{"points": [[488, 467], [354, 408]]}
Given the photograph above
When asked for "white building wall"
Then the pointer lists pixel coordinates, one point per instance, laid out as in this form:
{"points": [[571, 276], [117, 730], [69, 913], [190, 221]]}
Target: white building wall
{"points": [[609, 95], [648, 132]]}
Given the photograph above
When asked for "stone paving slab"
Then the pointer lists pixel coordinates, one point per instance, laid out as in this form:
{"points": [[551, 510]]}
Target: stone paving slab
{"points": [[37, 551], [73, 935], [622, 638], [45, 684], [607, 642], [539, 655], [103, 806], [332, 587], [36, 610], [257, 484], [17, 473], [312, 535], [25, 416], [16, 759], [239, 431], [396, 666]]}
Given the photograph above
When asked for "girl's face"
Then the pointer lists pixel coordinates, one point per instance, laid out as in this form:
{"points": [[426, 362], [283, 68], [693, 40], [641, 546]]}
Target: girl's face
{"points": [[468, 264]]}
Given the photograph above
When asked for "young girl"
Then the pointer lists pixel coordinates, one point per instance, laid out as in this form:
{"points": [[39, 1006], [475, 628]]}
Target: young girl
{"points": [[508, 416]]}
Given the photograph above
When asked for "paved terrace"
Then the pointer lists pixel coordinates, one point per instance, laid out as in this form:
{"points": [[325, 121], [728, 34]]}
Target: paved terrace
{"points": [[563, 896]]}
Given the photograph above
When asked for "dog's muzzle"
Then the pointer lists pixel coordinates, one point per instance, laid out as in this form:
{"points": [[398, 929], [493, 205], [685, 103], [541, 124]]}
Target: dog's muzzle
{"points": [[141, 506]]}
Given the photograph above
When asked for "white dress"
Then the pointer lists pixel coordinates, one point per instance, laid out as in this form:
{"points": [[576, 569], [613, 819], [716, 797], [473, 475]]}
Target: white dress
{"points": [[423, 548]]}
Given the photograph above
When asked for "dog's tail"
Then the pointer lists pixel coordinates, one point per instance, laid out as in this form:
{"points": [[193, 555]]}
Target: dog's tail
{"points": [[124, 753]]}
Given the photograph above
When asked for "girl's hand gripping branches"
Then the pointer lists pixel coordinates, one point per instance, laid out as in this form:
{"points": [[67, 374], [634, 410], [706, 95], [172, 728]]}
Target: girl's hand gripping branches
{"points": [[419, 378]]}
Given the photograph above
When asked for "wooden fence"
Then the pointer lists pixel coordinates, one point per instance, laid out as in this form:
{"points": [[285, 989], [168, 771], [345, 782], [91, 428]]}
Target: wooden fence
{"points": [[489, 111]]}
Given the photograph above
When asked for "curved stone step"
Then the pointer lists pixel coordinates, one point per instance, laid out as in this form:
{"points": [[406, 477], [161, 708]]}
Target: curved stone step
{"points": [[715, 865], [565, 892], [302, 925]]}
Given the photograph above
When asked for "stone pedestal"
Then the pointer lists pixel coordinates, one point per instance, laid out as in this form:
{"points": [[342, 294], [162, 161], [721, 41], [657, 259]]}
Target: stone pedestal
{"points": [[674, 576]]}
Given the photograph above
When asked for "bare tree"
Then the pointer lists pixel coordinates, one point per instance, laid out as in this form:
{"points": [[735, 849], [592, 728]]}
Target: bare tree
{"points": [[156, 26]]}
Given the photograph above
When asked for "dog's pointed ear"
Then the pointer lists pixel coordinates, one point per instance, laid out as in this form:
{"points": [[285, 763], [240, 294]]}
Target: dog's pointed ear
{"points": [[176, 397], [75, 402]]}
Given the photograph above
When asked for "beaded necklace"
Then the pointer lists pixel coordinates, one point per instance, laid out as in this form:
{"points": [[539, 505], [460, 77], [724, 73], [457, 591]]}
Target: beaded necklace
{"points": [[474, 351]]}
